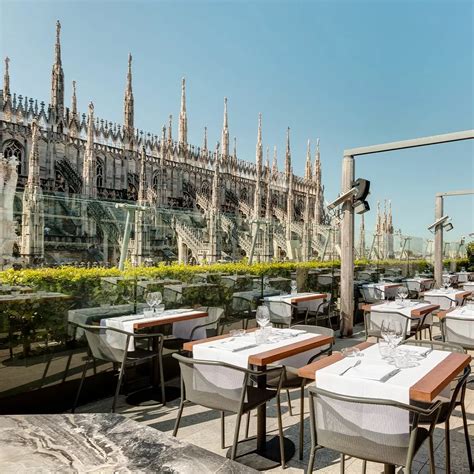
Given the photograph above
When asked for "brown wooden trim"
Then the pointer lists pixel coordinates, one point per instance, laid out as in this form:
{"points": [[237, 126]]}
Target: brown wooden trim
{"points": [[170, 320], [425, 310], [313, 296], [265, 358], [463, 294], [442, 314], [308, 371], [432, 384]]}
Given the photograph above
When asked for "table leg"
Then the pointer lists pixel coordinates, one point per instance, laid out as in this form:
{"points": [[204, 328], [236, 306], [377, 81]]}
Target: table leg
{"points": [[389, 469]]}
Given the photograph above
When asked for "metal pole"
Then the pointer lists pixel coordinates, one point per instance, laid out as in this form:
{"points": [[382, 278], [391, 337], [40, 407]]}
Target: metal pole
{"points": [[347, 251], [126, 239], [438, 243]]}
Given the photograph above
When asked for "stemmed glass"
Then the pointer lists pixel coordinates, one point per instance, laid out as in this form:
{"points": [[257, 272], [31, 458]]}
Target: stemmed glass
{"points": [[446, 282], [294, 287], [263, 316], [153, 299], [391, 332], [402, 293]]}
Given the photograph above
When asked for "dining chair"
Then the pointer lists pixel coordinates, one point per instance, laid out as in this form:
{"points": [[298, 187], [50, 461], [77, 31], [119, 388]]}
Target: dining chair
{"points": [[212, 324], [291, 379], [321, 311], [282, 312], [458, 330], [371, 294], [343, 423], [414, 288], [411, 327], [456, 399], [201, 384], [111, 345], [241, 312]]}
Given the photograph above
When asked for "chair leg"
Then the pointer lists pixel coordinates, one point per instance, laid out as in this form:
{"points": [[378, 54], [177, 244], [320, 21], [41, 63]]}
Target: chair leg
{"points": [[117, 388], [178, 418], [222, 431], [466, 435], [162, 379], [280, 433], [45, 372], [342, 463], [430, 331], [447, 447], [432, 465], [66, 370], [364, 466], [236, 436], [301, 421], [84, 371], [311, 458], [247, 425], [290, 408]]}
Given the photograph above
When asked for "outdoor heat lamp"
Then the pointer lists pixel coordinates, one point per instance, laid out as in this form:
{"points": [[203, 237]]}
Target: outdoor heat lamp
{"points": [[358, 193]]}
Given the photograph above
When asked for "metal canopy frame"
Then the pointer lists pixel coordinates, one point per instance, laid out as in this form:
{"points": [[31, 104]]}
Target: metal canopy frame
{"points": [[347, 228], [438, 240]]}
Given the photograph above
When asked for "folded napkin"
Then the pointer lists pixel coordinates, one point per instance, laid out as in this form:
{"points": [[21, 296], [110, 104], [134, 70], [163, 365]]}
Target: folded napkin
{"points": [[288, 332], [371, 371], [234, 345]]}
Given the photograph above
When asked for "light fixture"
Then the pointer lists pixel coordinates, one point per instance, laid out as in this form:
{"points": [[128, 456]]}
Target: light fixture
{"points": [[358, 193], [442, 221]]}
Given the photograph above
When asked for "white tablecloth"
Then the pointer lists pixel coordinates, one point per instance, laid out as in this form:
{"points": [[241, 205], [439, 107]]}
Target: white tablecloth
{"points": [[392, 310], [385, 290], [469, 286], [445, 299], [285, 310], [379, 419], [453, 277], [181, 329], [463, 276], [461, 330], [232, 380]]}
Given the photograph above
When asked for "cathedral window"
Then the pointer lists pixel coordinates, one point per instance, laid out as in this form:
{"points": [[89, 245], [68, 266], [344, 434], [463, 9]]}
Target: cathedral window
{"points": [[11, 149], [100, 174]]}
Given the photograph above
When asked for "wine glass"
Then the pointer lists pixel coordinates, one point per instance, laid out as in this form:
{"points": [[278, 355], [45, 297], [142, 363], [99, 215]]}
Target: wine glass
{"points": [[263, 316], [402, 293], [150, 299], [446, 282], [385, 330], [294, 287], [397, 333]]}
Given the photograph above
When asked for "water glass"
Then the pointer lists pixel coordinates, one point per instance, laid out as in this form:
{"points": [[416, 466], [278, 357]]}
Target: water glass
{"points": [[160, 308], [294, 287], [385, 350], [263, 316], [261, 336]]}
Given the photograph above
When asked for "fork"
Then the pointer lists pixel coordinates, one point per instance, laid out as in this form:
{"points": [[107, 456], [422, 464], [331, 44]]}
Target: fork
{"points": [[351, 367]]}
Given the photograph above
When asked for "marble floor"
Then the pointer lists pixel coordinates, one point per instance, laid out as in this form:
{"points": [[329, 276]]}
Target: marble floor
{"points": [[201, 427]]}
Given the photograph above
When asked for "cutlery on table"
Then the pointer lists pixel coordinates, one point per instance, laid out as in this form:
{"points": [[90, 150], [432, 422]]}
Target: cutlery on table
{"points": [[390, 375], [351, 367]]}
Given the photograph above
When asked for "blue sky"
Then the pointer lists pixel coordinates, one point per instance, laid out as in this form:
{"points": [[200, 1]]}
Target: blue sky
{"points": [[352, 73]]}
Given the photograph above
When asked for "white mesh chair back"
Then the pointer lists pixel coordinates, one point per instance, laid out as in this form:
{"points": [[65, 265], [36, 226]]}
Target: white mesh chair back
{"points": [[459, 330], [375, 318], [377, 432], [364, 276], [370, 294], [212, 385], [241, 304], [98, 340], [413, 285], [280, 312]]}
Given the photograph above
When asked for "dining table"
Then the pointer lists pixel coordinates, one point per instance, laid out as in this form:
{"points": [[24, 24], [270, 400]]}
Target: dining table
{"points": [[446, 298], [262, 452], [133, 323], [436, 371], [386, 289]]}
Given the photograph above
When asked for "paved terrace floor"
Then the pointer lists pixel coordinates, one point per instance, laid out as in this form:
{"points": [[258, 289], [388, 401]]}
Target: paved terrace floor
{"points": [[201, 427]]}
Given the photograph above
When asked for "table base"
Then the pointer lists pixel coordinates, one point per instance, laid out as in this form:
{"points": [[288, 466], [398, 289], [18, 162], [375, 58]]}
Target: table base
{"points": [[269, 458], [152, 396]]}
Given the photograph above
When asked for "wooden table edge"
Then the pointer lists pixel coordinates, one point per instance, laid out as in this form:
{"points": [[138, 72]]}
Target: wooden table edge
{"points": [[170, 320]]}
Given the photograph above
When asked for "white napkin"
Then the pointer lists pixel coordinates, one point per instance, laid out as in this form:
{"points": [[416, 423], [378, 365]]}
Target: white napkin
{"points": [[288, 332], [370, 371], [234, 345]]}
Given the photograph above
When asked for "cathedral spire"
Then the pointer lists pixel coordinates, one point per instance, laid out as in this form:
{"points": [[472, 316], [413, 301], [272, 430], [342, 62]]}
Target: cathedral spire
{"points": [[267, 160], [235, 149], [259, 151], [215, 183], [74, 100], [204, 144], [288, 155], [128, 102], [57, 77], [183, 119], [308, 173], [89, 187], [225, 132], [170, 130], [33, 159], [275, 162], [142, 182], [6, 79], [319, 202]]}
